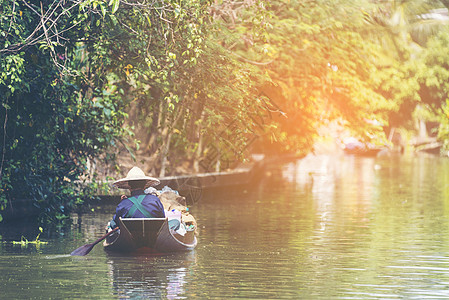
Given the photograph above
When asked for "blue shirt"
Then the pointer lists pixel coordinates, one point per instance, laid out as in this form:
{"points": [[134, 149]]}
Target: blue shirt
{"points": [[151, 203]]}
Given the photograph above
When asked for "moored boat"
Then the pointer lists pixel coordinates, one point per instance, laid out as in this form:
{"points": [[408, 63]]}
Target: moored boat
{"points": [[362, 152], [355, 147], [154, 234]]}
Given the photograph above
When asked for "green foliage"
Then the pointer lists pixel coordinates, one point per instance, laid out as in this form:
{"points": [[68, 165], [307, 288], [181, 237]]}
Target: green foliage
{"points": [[443, 131], [433, 76], [319, 69], [433, 79], [397, 81], [178, 78], [404, 68], [59, 109]]}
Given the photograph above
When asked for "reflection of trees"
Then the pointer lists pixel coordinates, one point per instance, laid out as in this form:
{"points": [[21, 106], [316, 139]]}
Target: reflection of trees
{"points": [[383, 219], [92, 225], [149, 277], [329, 179]]}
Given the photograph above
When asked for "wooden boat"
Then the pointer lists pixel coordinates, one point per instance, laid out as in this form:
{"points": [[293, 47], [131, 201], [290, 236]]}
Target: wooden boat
{"points": [[363, 152], [152, 233], [355, 147], [431, 148]]}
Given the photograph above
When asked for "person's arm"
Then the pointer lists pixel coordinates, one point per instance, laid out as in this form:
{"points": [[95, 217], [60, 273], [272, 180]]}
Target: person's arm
{"points": [[120, 211], [112, 224]]}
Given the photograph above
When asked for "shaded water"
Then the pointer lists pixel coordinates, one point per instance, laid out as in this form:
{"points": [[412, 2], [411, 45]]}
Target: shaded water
{"points": [[319, 228]]}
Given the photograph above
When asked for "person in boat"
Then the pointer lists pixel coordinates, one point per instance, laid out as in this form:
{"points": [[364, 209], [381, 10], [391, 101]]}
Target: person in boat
{"points": [[139, 204]]}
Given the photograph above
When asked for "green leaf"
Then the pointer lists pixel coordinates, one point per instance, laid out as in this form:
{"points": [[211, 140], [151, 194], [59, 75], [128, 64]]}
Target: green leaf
{"points": [[103, 10], [115, 4]]}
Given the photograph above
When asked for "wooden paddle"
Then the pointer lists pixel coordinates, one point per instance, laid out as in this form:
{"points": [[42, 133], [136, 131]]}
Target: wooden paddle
{"points": [[84, 250]]}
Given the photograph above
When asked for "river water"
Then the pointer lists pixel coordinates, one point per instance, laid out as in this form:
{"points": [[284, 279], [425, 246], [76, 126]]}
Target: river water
{"points": [[323, 227]]}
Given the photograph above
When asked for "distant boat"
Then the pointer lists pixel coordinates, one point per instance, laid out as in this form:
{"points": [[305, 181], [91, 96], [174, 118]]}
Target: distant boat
{"points": [[152, 234], [363, 152], [432, 148], [355, 147]]}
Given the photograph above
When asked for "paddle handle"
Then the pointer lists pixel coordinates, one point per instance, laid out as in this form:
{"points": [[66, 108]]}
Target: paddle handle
{"points": [[106, 235], [84, 250]]}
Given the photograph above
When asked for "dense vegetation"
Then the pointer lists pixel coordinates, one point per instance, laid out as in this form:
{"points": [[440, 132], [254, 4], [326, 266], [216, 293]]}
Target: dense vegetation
{"points": [[198, 85]]}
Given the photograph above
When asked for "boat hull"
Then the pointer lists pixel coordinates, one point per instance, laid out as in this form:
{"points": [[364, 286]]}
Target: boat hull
{"points": [[151, 233], [363, 152]]}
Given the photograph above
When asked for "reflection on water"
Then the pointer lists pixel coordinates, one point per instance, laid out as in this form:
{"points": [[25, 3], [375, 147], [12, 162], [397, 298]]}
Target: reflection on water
{"points": [[383, 224], [144, 277], [320, 228]]}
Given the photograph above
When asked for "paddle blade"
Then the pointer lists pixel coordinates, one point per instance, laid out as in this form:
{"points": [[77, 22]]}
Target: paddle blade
{"points": [[83, 250]]}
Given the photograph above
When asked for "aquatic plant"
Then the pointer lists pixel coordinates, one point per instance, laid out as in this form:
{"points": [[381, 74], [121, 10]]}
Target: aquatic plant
{"points": [[24, 242]]}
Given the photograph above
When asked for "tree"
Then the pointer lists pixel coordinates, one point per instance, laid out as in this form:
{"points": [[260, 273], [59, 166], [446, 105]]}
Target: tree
{"points": [[192, 100], [319, 67], [402, 28], [433, 79], [58, 108]]}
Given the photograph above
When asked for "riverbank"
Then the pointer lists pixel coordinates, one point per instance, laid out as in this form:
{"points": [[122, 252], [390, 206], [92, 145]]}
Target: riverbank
{"points": [[192, 187], [195, 186]]}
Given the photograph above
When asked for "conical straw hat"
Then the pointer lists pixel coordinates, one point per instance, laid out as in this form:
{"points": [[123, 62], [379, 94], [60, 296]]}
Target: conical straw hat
{"points": [[133, 175]]}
